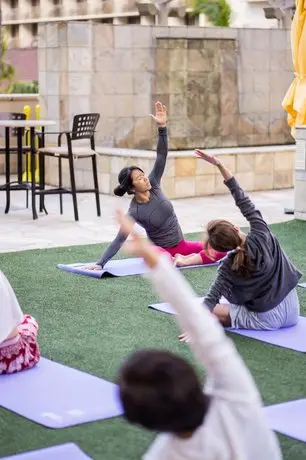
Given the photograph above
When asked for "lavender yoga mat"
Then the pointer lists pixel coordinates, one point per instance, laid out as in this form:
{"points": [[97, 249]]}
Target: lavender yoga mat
{"points": [[288, 418], [116, 268], [302, 285], [58, 396], [293, 337], [67, 451]]}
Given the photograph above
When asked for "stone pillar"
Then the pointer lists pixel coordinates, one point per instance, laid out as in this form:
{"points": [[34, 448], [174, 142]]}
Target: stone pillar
{"points": [[46, 7], [147, 20], [204, 21], [162, 15], [123, 67], [25, 36], [65, 70], [6, 11], [120, 21], [174, 21], [300, 174], [68, 7], [25, 11]]}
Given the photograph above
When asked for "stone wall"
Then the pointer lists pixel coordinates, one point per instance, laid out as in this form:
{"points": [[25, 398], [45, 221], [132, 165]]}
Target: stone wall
{"points": [[223, 87], [197, 80], [256, 168]]}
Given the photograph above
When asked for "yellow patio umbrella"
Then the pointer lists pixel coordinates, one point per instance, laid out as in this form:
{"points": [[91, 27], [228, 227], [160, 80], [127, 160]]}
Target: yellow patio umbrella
{"points": [[295, 100]]}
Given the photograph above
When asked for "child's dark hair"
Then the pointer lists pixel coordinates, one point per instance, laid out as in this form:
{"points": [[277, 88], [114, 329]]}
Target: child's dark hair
{"points": [[224, 237], [125, 181], [161, 392]]}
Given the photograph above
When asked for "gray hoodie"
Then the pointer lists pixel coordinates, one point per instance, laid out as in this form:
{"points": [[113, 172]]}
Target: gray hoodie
{"points": [[157, 216], [274, 275]]}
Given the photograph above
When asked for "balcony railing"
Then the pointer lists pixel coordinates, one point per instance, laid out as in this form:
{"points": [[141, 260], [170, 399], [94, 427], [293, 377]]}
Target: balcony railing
{"points": [[14, 42], [56, 11], [81, 8], [108, 6], [36, 11], [11, 15], [128, 6], [22, 14], [113, 7], [104, 7]]}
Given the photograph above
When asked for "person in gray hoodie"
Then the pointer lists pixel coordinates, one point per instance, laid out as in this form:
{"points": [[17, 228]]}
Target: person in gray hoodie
{"points": [[256, 278]]}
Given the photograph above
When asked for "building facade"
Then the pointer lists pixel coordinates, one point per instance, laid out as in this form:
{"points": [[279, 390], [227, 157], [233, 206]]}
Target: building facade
{"points": [[21, 17]]}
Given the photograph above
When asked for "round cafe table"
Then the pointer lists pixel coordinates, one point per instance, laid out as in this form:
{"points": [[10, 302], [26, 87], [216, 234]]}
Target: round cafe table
{"points": [[20, 125]]}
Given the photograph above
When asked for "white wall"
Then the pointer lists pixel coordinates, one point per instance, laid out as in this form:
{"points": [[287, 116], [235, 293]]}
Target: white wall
{"points": [[248, 14]]}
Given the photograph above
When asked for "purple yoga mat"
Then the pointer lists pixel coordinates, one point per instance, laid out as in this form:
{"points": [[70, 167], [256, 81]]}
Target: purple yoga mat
{"points": [[293, 338], [115, 268], [165, 307], [302, 285], [67, 451], [288, 337], [58, 396], [288, 418]]}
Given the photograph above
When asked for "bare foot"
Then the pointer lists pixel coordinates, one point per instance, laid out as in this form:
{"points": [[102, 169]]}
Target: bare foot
{"points": [[93, 267], [178, 260]]}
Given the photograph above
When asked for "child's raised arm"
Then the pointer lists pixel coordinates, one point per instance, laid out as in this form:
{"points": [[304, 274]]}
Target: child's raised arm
{"points": [[213, 349]]}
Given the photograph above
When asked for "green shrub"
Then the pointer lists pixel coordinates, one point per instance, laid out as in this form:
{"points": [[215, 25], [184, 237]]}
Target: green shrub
{"points": [[7, 71], [25, 88], [218, 12]]}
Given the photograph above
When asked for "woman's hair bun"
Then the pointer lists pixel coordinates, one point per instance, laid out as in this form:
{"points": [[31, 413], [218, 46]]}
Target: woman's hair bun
{"points": [[119, 190]]}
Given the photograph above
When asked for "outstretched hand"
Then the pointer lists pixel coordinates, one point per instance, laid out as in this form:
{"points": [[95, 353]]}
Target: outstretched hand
{"points": [[226, 173], [209, 158], [93, 267], [160, 114]]}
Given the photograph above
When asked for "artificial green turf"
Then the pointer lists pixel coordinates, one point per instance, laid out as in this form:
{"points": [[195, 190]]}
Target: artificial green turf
{"points": [[92, 324]]}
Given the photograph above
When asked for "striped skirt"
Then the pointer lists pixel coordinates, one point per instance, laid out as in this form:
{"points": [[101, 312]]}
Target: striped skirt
{"points": [[285, 314]]}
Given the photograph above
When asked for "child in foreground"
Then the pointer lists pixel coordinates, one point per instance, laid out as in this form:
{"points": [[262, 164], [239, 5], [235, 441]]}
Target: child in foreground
{"points": [[19, 349], [161, 391]]}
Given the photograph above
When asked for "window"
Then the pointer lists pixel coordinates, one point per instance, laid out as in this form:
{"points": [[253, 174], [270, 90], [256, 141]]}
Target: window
{"points": [[34, 28], [191, 20], [134, 20], [14, 31]]}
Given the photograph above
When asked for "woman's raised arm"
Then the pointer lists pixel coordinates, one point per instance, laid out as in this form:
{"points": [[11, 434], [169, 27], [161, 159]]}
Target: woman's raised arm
{"points": [[162, 145], [242, 200]]}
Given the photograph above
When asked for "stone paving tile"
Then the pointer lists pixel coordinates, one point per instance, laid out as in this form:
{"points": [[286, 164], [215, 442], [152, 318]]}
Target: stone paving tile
{"points": [[19, 232]]}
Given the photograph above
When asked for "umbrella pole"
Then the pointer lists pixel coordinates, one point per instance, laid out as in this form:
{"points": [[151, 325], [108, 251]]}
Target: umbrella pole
{"points": [[290, 211]]}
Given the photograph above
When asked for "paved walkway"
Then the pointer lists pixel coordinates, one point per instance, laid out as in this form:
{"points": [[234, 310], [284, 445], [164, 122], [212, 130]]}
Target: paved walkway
{"points": [[19, 232]]}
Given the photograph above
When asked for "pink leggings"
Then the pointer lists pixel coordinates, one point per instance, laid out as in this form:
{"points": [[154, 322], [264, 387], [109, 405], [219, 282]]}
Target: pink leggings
{"points": [[186, 248]]}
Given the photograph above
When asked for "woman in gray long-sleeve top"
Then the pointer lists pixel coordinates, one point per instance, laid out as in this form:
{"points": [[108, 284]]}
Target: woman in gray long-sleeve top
{"points": [[151, 209], [256, 278]]}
